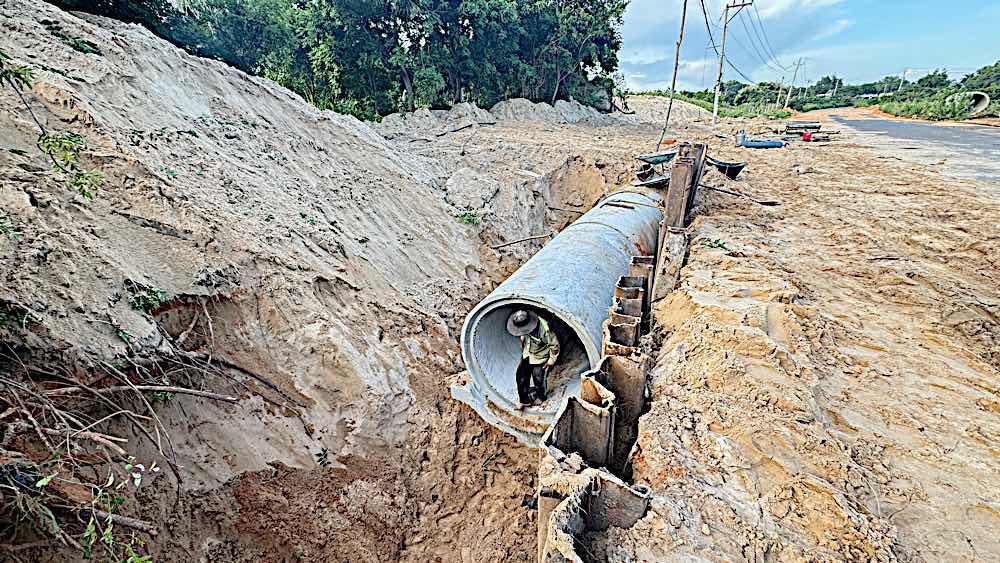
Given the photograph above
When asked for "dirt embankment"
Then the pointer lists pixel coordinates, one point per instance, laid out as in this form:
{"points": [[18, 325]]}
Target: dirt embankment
{"points": [[827, 383], [316, 266]]}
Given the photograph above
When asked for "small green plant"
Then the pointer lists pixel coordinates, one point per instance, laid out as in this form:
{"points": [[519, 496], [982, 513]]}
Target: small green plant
{"points": [[76, 43], [163, 396], [19, 77], [323, 457], [716, 243], [16, 317], [9, 229], [27, 494], [100, 528], [170, 172], [86, 182], [468, 218], [144, 298], [125, 336], [63, 149]]}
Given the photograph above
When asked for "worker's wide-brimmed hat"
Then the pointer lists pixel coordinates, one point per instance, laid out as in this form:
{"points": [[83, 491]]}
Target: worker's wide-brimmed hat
{"points": [[521, 322]]}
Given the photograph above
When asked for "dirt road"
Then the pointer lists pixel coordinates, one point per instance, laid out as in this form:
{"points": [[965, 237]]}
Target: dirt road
{"points": [[964, 150]]}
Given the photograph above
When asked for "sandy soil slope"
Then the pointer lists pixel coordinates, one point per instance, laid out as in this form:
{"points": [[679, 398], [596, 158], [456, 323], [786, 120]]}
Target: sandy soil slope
{"points": [[318, 263], [826, 381], [827, 384]]}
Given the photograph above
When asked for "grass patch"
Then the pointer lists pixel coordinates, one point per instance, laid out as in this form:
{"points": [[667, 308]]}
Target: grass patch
{"points": [[933, 109], [468, 218]]}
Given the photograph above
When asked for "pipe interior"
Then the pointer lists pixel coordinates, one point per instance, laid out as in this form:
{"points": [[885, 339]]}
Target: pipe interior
{"points": [[980, 102], [498, 354]]}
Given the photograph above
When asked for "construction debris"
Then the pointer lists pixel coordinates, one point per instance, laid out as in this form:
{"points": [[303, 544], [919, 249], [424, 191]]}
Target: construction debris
{"points": [[742, 141]]}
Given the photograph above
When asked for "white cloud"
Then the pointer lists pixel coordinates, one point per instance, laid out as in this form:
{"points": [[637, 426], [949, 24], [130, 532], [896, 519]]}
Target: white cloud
{"points": [[835, 28], [773, 8], [644, 55]]}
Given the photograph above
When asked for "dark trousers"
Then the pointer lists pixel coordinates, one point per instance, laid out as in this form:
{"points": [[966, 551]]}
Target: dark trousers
{"points": [[530, 381]]}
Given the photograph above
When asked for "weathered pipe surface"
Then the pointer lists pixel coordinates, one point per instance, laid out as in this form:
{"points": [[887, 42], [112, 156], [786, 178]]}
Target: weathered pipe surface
{"points": [[572, 281]]}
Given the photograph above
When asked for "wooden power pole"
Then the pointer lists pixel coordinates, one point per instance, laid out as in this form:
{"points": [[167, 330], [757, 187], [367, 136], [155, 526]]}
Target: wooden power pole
{"points": [[673, 83], [791, 85], [722, 55]]}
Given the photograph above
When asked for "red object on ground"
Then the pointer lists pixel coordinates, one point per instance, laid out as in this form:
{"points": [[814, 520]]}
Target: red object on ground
{"points": [[807, 136]]}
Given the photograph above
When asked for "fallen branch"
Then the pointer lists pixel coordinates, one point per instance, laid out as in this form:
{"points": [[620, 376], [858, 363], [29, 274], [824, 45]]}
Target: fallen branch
{"points": [[103, 439], [161, 388], [133, 523], [767, 203], [455, 130], [564, 209], [521, 240], [206, 359]]}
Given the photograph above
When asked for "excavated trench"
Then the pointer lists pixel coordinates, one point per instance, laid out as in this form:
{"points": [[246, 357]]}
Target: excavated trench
{"points": [[320, 300], [595, 282], [571, 282]]}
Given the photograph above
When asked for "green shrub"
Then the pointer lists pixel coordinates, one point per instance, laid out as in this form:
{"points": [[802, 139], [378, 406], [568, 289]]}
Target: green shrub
{"points": [[934, 109], [468, 218], [144, 298]]}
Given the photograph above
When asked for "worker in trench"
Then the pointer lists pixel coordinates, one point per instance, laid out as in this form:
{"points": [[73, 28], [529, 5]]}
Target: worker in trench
{"points": [[539, 352]]}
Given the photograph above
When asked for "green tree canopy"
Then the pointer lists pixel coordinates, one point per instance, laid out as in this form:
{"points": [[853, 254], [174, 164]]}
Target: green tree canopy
{"points": [[374, 57]]}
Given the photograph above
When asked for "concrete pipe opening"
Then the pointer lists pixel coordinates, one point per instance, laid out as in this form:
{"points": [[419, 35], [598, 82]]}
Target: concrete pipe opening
{"points": [[979, 102], [974, 102], [570, 282]]}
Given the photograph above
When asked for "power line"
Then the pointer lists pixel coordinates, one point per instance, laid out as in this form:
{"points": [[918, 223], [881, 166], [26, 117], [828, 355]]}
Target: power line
{"points": [[756, 51], [722, 52], [711, 38], [745, 50], [708, 27], [761, 41], [767, 40]]}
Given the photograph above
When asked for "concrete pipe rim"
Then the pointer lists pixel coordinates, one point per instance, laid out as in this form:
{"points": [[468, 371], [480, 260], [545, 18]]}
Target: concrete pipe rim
{"points": [[478, 375]]}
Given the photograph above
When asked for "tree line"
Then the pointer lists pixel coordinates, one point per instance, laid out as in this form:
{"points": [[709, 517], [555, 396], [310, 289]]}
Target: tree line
{"points": [[931, 96], [374, 57]]}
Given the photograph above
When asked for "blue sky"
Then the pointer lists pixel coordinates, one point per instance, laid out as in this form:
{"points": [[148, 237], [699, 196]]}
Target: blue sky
{"points": [[858, 40]]}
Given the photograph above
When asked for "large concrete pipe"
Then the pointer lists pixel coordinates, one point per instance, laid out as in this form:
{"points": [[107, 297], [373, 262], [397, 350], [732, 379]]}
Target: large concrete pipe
{"points": [[975, 102], [570, 282]]}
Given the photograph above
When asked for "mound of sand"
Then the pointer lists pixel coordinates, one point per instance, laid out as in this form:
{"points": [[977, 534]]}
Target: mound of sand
{"points": [[653, 109], [319, 260]]}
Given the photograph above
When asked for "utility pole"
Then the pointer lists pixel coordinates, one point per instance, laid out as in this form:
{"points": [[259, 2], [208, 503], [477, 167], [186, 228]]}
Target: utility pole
{"points": [[777, 102], [722, 54], [673, 83], [791, 85], [902, 79]]}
